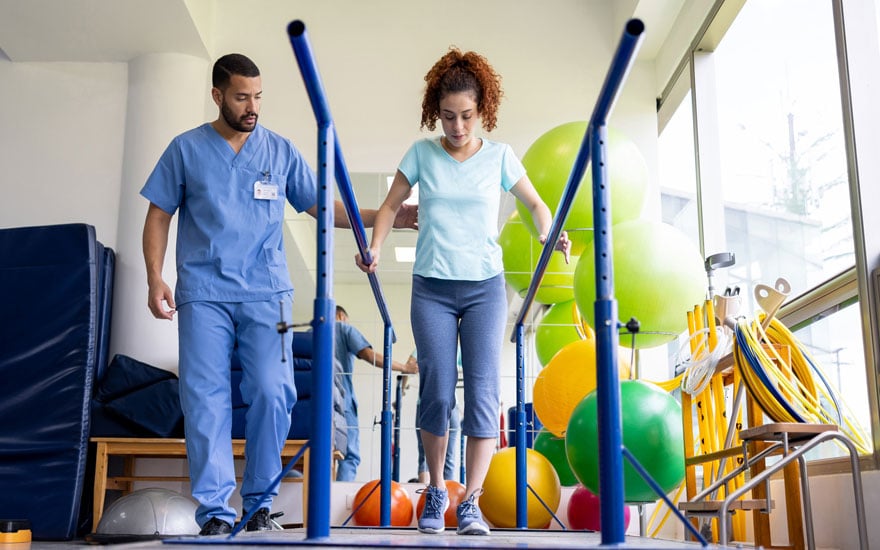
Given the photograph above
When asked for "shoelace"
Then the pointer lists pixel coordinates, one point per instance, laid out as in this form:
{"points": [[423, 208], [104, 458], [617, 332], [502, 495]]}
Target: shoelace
{"points": [[433, 501], [468, 508]]}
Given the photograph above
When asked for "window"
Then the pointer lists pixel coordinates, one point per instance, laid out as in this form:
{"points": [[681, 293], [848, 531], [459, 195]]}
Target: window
{"points": [[782, 151]]}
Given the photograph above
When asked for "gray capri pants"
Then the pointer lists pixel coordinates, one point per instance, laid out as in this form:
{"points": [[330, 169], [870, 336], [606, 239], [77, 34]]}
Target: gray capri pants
{"points": [[444, 312]]}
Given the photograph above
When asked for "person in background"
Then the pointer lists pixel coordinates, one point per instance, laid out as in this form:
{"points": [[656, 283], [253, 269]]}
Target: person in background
{"points": [[458, 292], [350, 343], [229, 179]]}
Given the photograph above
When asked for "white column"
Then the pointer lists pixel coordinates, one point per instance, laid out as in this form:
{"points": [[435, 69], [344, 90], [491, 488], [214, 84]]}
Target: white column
{"points": [[167, 95]]}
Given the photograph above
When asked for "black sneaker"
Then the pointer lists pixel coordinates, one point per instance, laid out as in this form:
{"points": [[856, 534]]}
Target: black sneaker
{"points": [[260, 521], [215, 526]]}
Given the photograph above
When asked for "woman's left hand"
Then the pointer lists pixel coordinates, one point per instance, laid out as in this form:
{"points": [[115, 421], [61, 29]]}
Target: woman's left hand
{"points": [[563, 245]]}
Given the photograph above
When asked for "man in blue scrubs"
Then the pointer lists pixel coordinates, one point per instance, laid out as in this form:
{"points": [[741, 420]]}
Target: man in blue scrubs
{"points": [[229, 179]]}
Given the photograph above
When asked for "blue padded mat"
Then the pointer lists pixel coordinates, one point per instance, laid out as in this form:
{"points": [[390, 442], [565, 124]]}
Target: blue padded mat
{"points": [[49, 347]]}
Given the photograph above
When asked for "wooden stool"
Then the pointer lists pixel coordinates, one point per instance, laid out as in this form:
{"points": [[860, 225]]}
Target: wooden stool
{"points": [[131, 448]]}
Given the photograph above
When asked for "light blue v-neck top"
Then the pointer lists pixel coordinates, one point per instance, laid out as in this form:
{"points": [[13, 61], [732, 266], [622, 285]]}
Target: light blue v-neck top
{"points": [[458, 208]]}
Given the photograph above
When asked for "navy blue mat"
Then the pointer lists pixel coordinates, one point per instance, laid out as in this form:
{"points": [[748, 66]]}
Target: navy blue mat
{"points": [[50, 344]]}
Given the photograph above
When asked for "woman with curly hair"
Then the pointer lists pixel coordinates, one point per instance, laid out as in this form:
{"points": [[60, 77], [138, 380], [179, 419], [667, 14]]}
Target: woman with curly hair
{"points": [[458, 293]]}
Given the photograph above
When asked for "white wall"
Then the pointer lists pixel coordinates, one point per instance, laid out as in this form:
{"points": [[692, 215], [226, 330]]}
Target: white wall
{"points": [[63, 127]]}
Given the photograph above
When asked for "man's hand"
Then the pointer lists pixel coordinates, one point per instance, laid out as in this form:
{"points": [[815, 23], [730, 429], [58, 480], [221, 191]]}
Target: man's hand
{"points": [[160, 292], [407, 217]]}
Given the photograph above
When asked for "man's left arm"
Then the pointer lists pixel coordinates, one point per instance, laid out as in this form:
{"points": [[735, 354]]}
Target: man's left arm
{"points": [[407, 216], [378, 360]]}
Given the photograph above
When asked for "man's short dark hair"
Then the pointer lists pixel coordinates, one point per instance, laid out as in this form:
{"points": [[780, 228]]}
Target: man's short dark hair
{"points": [[230, 64]]}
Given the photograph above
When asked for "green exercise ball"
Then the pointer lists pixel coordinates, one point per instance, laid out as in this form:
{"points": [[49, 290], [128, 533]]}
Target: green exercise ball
{"points": [[652, 432], [549, 161], [560, 325], [520, 254], [658, 277], [553, 449]]}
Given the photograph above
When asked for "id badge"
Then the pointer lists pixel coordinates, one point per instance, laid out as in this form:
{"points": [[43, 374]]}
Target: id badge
{"points": [[265, 191]]}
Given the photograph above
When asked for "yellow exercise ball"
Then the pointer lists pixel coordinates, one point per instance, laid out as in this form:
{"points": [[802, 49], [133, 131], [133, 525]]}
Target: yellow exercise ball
{"points": [[566, 380], [498, 501]]}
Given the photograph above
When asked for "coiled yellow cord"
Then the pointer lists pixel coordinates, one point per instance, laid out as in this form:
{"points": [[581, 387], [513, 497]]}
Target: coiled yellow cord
{"points": [[789, 392]]}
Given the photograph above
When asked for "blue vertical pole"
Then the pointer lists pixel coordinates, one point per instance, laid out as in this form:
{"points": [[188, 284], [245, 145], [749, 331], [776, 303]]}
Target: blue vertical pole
{"points": [[521, 464], [385, 461], [611, 497], [318, 524], [398, 406]]}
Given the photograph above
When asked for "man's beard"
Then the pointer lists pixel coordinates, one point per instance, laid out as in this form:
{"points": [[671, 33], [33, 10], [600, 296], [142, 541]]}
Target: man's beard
{"points": [[237, 125]]}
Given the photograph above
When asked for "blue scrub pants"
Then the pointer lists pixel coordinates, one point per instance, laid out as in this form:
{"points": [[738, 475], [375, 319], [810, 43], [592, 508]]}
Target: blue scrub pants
{"points": [[207, 333], [348, 466], [442, 313]]}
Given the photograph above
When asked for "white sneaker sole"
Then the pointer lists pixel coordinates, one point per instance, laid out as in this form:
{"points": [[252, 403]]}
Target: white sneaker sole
{"points": [[474, 529], [431, 531]]}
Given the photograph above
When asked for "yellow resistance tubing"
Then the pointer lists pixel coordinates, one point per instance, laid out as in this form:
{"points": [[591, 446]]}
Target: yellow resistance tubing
{"points": [[779, 332], [710, 324], [662, 504], [803, 390]]}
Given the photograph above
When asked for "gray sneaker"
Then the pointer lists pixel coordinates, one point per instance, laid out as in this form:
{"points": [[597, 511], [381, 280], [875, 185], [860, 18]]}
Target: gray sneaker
{"points": [[470, 519], [436, 504]]}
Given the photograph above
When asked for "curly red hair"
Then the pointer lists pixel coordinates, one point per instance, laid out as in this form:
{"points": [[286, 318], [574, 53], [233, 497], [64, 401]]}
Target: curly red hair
{"points": [[459, 71]]}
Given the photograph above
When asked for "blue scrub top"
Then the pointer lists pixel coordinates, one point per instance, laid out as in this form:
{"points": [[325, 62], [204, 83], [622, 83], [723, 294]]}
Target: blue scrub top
{"points": [[349, 341], [229, 243]]}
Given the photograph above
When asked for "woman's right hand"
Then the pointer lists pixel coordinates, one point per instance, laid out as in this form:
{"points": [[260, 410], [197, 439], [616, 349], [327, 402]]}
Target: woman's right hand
{"points": [[371, 267]]}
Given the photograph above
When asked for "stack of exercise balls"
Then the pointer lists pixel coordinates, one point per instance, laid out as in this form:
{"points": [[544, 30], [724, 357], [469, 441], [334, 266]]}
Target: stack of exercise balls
{"points": [[658, 277]]}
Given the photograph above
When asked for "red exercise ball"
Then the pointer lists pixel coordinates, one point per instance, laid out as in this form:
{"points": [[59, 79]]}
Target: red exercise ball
{"points": [[584, 511], [367, 505], [456, 492]]}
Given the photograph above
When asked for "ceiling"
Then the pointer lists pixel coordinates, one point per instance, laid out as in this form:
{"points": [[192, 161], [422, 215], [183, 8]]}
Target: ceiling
{"points": [[98, 30], [120, 30]]}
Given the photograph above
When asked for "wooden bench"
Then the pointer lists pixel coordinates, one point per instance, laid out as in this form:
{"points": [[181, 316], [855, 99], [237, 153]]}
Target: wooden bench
{"points": [[131, 449]]}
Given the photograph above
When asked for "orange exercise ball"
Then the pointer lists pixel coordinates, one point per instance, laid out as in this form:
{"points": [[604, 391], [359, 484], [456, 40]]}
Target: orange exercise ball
{"points": [[367, 505], [456, 492]]}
